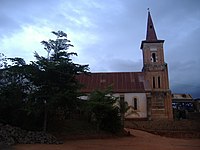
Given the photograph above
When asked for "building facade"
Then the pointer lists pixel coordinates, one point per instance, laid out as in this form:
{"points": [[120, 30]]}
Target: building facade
{"points": [[147, 93]]}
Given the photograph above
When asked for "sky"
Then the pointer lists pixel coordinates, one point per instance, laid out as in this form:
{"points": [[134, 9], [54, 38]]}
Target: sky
{"points": [[107, 34]]}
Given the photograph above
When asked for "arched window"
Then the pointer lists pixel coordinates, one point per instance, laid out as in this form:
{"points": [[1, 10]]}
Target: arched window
{"points": [[158, 82], [135, 103], [153, 57], [154, 83], [121, 98]]}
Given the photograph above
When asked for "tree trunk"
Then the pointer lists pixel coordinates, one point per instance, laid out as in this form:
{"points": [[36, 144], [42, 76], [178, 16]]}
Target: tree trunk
{"points": [[45, 117]]}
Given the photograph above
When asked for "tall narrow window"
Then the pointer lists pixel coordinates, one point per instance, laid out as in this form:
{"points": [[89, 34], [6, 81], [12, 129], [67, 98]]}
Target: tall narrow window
{"points": [[135, 105], [158, 82], [154, 83], [121, 98], [153, 57]]}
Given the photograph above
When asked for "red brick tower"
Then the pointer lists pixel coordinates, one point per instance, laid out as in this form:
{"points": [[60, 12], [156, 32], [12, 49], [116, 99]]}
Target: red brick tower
{"points": [[159, 101]]}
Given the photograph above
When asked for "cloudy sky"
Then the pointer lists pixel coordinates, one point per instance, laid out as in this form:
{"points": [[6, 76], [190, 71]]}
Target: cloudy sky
{"points": [[107, 34]]}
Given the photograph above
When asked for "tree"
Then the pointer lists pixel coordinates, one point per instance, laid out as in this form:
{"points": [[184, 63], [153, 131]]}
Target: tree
{"points": [[55, 77], [14, 90], [3, 61], [104, 111], [34, 93], [123, 107]]}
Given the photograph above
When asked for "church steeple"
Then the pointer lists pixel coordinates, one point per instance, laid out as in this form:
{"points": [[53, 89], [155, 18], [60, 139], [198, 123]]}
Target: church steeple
{"points": [[151, 33], [151, 36], [156, 74]]}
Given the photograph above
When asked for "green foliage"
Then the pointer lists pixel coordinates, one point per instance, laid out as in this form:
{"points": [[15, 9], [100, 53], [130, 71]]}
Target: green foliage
{"points": [[14, 91], [55, 75], [103, 111], [39, 90], [34, 96]]}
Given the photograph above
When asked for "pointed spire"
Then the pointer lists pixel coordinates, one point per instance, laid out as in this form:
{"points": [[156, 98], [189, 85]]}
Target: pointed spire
{"points": [[151, 33]]}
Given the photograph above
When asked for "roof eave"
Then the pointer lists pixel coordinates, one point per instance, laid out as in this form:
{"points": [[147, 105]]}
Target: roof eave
{"points": [[152, 41]]}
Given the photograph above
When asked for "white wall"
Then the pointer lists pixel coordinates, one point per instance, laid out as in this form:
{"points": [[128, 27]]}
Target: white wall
{"points": [[141, 111]]}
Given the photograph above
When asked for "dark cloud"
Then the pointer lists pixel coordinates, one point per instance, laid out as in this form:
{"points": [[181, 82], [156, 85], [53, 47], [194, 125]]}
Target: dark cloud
{"points": [[7, 25], [116, 65], [184, 63], [184, 76], [121, 65], [15, 14], [188, 89]]}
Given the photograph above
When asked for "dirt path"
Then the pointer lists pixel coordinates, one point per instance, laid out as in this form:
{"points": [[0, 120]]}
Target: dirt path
{"points": [[141, 141]]}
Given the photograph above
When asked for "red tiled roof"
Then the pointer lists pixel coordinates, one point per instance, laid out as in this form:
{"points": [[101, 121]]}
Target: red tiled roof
{"points": [[121, 82]]}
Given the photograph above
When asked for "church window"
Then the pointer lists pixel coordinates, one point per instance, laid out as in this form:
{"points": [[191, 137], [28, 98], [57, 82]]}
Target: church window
{"points": [[158, 82], [153, 57], [154, 82], [135, 105], [121, 98]]}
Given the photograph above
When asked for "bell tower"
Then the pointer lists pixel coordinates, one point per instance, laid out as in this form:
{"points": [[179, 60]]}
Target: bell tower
{"points": [[156, 75]]}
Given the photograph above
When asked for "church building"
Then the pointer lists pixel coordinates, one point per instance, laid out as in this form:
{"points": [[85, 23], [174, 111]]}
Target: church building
{"points": [[147, 92]]}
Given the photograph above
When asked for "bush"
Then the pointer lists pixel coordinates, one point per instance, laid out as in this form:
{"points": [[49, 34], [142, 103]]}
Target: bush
{"points": [[103, 112]]}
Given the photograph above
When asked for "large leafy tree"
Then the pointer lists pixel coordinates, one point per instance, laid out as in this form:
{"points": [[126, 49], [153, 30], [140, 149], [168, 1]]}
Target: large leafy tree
{"points": [[55, 77], [14, 89], [41, 89]]}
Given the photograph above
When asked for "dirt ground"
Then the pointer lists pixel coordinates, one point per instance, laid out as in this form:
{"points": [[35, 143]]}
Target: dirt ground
{"points": [[140, 141]]}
